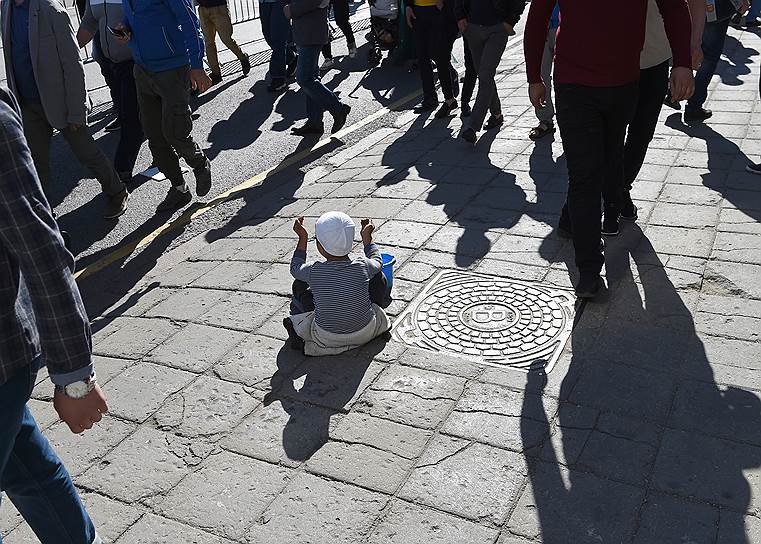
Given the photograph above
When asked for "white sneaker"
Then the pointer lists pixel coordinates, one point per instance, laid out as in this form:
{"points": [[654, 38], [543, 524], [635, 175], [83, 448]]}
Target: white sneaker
{"points": [[352, 51], [327, 65]]}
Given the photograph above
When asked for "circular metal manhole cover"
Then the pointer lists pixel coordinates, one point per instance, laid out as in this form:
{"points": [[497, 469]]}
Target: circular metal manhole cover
{"points": [[493, 320]]}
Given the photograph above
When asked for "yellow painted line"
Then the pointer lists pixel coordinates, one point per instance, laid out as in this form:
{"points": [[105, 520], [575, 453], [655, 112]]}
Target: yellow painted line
{"points": [[199, 208]]}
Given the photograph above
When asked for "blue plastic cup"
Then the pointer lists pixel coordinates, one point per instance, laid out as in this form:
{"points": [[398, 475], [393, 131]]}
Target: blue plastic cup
{"points": [[388, 268]]}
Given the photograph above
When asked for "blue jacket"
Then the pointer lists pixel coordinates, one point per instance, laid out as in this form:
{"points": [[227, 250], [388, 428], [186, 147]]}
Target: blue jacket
{"points": [[555, 18], [166, 34]]}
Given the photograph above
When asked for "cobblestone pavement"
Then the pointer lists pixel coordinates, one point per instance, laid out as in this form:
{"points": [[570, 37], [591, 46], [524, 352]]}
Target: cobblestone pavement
{"points": [[647, 431]]}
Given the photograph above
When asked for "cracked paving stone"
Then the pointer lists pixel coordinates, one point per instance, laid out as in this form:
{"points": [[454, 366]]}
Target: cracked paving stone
{"points": [[43, 411], [157, 530], [667, 519], [709, 469], [196, 347], [440, 362], [474, 481], [133, 337], [405, 233], [407, 523], [284, 432], [225, 495], [109, 367], [187, 304], [561, 505], [275, 280], [257, 359], [732, 246], [229, 275], [402, 440], [412, 396], [415, 271], [208, 407], [147, 463], [80, 451], [680, 241], [573, 426], [311, 508], [501, 417], [110, 517], [142, 388], [243, 311], [738, 353], [728, 278]]}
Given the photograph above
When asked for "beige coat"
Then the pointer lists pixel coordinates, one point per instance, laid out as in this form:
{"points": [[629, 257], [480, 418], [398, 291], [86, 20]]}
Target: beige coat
{"points": [[56, 63]]}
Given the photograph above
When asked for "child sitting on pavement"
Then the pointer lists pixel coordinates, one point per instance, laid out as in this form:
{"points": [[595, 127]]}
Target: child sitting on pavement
{"points": [[338, 303]]}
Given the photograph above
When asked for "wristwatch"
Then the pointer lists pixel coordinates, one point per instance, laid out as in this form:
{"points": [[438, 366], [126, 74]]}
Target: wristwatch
{"points": [[80, 389]]}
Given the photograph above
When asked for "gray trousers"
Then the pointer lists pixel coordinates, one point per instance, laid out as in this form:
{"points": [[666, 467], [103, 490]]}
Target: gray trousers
{"points": [[487, 44], [547, 113], [38, 133], [164, 100]]}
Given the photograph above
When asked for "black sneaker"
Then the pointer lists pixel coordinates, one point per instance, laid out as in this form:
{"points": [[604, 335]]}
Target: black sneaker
{"points": [[296, 341], [245, 64], [308, 128], [174, 200], [610, 224], [126, 177], [215, 78], [446, 109], [469, 135], [277, 86], [671, 103], [203, 179], [697, 116], [465, 110], [113, 126], [426, 105], [339, 118], [629, 212], [589, 285], [116, 205], [754, 168], [494, 121], [564, 229]]}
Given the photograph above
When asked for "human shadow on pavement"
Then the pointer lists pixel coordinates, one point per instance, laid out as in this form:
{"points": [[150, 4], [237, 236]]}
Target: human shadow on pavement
{"points": [[736, 62], [647, 446], [326, 387]]}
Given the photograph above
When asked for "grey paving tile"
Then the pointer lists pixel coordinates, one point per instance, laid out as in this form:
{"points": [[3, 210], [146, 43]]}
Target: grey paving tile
{"points": [[43, 412], [726, 278], [689, 194], [111, 518], [196, 347], [680, 241], [743, 248], [405, 233], [440, 362], [187, 304], [684, 215], [229, 275], [666, 519], [189, 271], [132, 337], [378, 208], [734, 220], [242, 311], [107, 368], [80, 452], [153, 529], [255, 361]]}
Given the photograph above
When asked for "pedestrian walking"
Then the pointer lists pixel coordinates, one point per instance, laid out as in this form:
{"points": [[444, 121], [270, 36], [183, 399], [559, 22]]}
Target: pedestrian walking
{"points": [[714, 36], [469, 80], [434, 29], [117, 63], [278, 35], [310, 32], [167, 47], [44, 323], [47, 77], [341, 16], [596, 75], [215, 19], [487, 24], [546, 113]]}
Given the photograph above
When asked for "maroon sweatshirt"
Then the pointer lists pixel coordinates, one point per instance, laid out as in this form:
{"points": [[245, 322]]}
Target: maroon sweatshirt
{"points": [[600, 41]]}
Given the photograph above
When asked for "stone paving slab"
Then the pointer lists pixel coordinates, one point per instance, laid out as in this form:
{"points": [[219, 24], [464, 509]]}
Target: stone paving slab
{"points": [[646, 431]]}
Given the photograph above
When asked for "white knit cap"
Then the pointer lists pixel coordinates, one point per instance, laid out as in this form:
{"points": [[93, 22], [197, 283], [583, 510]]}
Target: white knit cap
{"points": [[335, 231]]}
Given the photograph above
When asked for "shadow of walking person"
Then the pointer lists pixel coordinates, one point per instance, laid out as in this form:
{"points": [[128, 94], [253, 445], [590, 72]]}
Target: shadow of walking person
{"points": [[648, 445]]}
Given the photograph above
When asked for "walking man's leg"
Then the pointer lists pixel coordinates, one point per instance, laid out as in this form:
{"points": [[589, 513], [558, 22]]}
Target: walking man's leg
{"points": [[487, 44], [714, 36], [446, 35], [38, 133], [221, 17], [209, 30], [277, 34], [341, 14], [32, 475], [469, 84], [131, 137], [546, 115], [424, 34], [319, 98]]}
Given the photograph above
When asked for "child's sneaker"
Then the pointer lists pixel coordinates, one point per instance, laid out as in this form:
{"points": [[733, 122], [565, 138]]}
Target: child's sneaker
{"points": [[296, 341]]}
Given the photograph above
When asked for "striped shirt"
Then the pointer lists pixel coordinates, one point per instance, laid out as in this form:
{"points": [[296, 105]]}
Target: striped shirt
{"points": [[341, 289]]}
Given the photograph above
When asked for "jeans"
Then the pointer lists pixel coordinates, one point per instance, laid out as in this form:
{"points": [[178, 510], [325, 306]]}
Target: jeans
{"points": [[547, 113], [38, 133], [32, 475], [131, 135], [341, 16], [319, 98], [487, 44], [216, 20], [469, 83], [303, 298], [435, 32], [714, 36], [277, 33], [164, 99], [592, 123]]}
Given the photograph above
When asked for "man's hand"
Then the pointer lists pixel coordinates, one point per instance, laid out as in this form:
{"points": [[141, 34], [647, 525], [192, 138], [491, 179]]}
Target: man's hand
{"points": [[537, 93], [462, 24], [125, 37], [199, 80], [287, 11], [682, 83], [298, 228], [697, 57], [81, 414], [510, 29], [367, 231], [410, 16]]}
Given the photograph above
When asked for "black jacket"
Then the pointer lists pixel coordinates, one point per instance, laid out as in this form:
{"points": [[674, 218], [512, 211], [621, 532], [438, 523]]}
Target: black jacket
{"points": [[509, 10]]}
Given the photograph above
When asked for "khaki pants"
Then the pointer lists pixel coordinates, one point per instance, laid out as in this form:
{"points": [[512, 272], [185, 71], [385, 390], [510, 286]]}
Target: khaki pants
{"points": [[215, 21]]}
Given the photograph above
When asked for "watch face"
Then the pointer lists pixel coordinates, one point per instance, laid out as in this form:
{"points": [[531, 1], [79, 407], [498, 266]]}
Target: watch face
{"points": [[77, 390]]}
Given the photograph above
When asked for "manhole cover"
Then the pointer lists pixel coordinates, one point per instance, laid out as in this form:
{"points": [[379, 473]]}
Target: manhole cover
{"points": [[491, 320]]}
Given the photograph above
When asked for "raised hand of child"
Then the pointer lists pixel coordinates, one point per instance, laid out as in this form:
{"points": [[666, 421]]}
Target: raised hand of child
{"points": [[298, 228], [367, 231]]}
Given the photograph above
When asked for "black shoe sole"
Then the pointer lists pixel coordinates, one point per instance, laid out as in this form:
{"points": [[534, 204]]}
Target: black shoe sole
{"points": [[591, 293], [309, 131], [177, 205], [339, 120]]}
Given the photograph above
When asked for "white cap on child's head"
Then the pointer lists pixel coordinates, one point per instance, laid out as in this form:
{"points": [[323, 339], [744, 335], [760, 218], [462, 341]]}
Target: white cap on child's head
{"points": [[335, 231]]}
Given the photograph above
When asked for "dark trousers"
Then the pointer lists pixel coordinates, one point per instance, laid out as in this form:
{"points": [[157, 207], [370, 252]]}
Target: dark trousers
{"points": [[164, 100], [714, 36], [592, 123], [319, 98], [131, 135], [303, 298], [341, 16], [653, 83], [100, 58], [487, 45], [435, 31], [471, 75], [277, 33]]}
